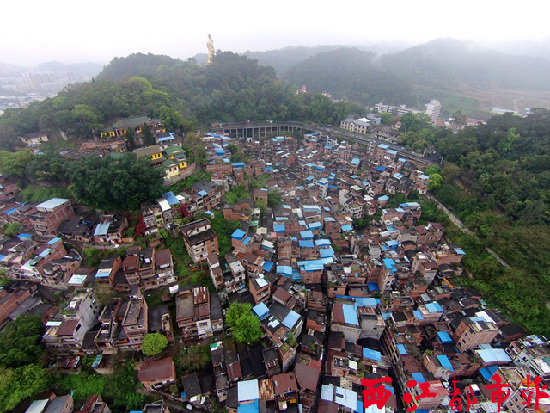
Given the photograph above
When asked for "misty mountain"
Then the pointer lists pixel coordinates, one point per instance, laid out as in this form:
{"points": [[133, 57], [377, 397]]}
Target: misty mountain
{"points": [[86, 69], [449, 63], [351, 74]]}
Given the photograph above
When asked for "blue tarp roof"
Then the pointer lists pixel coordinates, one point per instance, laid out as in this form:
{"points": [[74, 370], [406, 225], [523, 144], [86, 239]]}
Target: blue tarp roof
{"points": [[171, 198], [261, 310], [419, 377], [350, 314], [54, 240], [355, 161], [372, 286], [268, 266], [434, 307], [383, 198], [372, 354], [445, 362], [202, 192], [401, 348], [381, 168], [291, 319], [284, 269], [346, 228], [444, 337], [238, 234], [493, 355], [306, 244], [24, 236], [418, 314], [487, 372]]}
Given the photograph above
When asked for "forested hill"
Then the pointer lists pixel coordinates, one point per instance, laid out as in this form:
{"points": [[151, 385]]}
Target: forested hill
{"points": [[351, 74], [445, 63], [184, 95]]}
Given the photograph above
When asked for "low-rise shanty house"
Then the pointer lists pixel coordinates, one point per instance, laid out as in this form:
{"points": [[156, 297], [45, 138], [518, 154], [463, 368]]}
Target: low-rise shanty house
{"points": [[81, 277], [164, 267], [48, 215], [216, 273], [111, 229], [147, 268], [107, 270], [200, 239], [136, 322], [248, 393], [285, 389], [239, 211], [10, 301], [77, 228], [152, 218], [193, 313], [216, 313], [66, 335], [260, 288], [160, 321], [109, 319], [192, 389], [130, 266], [312, 343], [156, 374], [217, 354], [307, 378], [63, 404], [271, 361], [94, 404], [235, 279]]}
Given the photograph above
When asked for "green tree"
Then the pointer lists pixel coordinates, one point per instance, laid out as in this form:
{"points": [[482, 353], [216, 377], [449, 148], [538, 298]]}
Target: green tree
{"points": [[148, 138], [244, 324], [20, 341], [12, 229], [435, 181], [153, 344], [19, 383], [274, 198], [385, 118], [130, 142]]}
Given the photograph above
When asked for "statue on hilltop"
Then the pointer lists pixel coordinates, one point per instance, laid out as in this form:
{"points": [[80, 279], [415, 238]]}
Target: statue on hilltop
{"points": [[210, 46]]}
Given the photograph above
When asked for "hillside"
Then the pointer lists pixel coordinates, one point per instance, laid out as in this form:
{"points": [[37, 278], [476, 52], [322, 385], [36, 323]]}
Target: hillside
{"points": [[348, 73]]}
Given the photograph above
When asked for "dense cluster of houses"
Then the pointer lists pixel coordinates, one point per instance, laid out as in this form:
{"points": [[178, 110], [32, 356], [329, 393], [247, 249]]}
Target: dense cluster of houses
{"points": [[336, 304]]}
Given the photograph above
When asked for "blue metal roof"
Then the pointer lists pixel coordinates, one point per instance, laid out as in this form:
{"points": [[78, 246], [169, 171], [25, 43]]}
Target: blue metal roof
{"points": [[248, 390], [372, 354], [314, 225], [419, 377], [327, 252], [493, 355], [261, 310], [322, 242], [238, 164], [381, 168], [54, 240], [238, 234], [401, 348], [291, 319], [346, 228], [279, 228], [284, 269], [444, 337], [306, 234], [434, 307], [246, 240], [268, 266], [445, 362], [306, 244], [101, 229], [383, 198], [355, 161], [418, 314], [350, 314]]}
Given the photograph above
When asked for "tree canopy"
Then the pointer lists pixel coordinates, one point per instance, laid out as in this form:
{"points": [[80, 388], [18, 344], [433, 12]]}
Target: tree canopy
{"points": [[244, 324], [153, 344], [20, 341], [114, 183]]}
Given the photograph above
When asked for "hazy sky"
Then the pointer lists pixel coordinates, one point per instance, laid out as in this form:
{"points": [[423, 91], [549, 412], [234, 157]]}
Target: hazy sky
{"points": [[69, 31]]}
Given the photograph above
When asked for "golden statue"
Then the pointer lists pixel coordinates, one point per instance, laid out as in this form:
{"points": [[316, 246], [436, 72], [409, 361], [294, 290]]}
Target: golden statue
{"points": [[210, 46]]}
